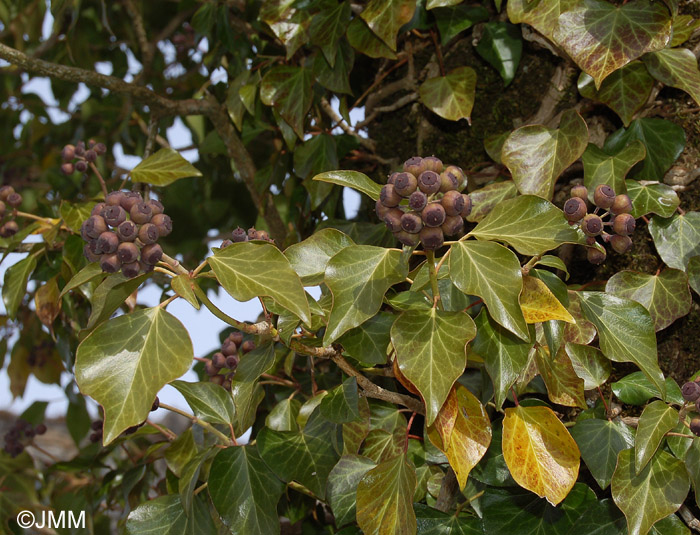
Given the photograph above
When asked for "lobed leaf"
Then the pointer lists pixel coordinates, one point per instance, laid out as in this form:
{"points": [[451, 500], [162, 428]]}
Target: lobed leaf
{"points": [[310, 257], [600, 167], [539, 304], [676, 67], [342, 486], [209, 401], [501, 45], [451, 96], [652, 198], [656, 420], [385, 18], [288, 90], [352, 179], [563, 385], [486, 198], [589, 364], [677, 238]]}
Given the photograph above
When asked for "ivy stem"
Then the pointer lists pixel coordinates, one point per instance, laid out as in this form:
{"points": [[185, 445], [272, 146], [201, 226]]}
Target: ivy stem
{"points": [[46, 220], [515, 397], [530, 264], [467, 502], [195, 420], [168, 301], [233, 434], [408, 430], [99, 177], [256, 328], [602, 397], [174, 264], [42, 450], [442, 260], [301, 488], [167, 433], [200, 488], [199, 268], [433, 278]]}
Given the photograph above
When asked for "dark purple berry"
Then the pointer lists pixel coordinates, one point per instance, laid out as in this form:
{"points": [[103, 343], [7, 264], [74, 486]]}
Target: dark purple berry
{"points": [[417, 201], [148, 233], [392, 219], [81, 166], [575, 209], [405, 184], [114, 215], [128, 252], [9, 229], [141, 213], [624, 224], [388, 196], [219, 360], [91, 156], [107, 242], [127, 231], [232, 362], [247, 346], [454, 224], [407, 238], [621, 244], [690, 391], [414, 166], [429, 182], [695, 426], [239, 235], [431, 163], [621, 205], [110, 263], [411, 222], [467, 206], [151, 254], [229, 348], [131, 270], [14, 200], [129, 199], [592, 225], [114, 198], [68, 153], [100, 149], [433, 214], [156, 206], [604, 196], [236, 337], [431, 238], [596, 256], [453, 203]]}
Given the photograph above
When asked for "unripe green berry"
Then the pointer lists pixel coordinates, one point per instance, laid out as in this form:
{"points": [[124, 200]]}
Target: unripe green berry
{"points": [[621, 205], [114, 215], [575, 209], [596, 256], [405, 184], [433, 214], [624, 224], [454, 224], [417, 201], [621, 244], [141, 213], [431, 238], [411, 222], [580, 191], [429, 182], [393, 219], [131, 270], [107, 242], [690, 391], [453, 203], [148, 233], [151, 254], [592, 225], [126, 231], [128, 252], [407, 238], [431, 163], [388, 196], [414, 166], [110, 263], [604, 196]]}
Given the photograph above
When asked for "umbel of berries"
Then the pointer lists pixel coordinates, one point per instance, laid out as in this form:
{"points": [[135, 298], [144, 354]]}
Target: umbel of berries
{"points": [[77, 157], [610, 211], [423, 203], [222, 366], [123, 231], [9, 202], [20, 435]]}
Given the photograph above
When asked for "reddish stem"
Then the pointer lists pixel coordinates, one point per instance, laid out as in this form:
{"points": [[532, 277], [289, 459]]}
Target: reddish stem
{"points": [[515, 397], [408, 429]]}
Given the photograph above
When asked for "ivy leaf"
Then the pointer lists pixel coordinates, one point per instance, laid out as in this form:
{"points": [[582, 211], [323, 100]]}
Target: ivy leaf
{"points": [[504, 354], [74, 214], [486, 198], [543, 16], [385, 498], [85, 275], [469, 435], [327, 27], [234, 103], [358, 277], [600, 167], [121, 364], [433, 522], [501, 45], [453, 20], [589, 364], [677, 67], [652, 198], [693, 271], [529, 224], [368, 343], [315, 156], [247, 270], [183, 286], [341, 403], [451, 96], [381, 445], [601, 37], [385, 18], [636, 389], [352, 179], [677, 238], [492, 272], [540, 454], [600, 441], [283, 416], [624, 91], [666, 296], [166, 514], [431, 352], [110, 295], [163, 168], [288, 90], [537, 155], [292, 30], [335, 77], [432, 4], [583, 332], [364, 40], [310, 257], [661, 486], [355, 432], [626, 332], [692, 464], [539, 304], [15, 284], [656, 420], [244, 491], [342, 486], [563, 385], [683, 28], [209, 401], [664, 142]]}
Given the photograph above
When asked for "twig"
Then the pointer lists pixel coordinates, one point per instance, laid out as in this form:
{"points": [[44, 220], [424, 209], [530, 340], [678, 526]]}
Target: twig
{"points": [[260, 328], [328, 109], [400, 103], [438, 51], [200, 488], [144, 45], [202, 423], [689, 518], [99, 177], [430, 255], [167, 433]]}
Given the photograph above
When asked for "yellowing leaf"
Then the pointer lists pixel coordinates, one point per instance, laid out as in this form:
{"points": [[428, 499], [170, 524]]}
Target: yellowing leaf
{"points": [[563, 385], [46, 302], [539, 452], [451, 96], [539, 304], [163, 168]]}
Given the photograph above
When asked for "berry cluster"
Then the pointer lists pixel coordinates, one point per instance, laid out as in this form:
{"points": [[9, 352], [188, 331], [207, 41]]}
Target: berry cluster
{"points": [[616, 208], [240, 235], [122, 233], [8, 197], [691, 393], [78, 157], [423, 203], [227, 358], [19, 435]]}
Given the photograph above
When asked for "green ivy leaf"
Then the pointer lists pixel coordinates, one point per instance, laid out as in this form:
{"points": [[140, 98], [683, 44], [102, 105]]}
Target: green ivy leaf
{"points": [[543, 16], [537, 155], [209, 401], [624, 91], [693, 271], [385, 18], [492, 272], [683, 28], [385, 498], [283, 416], [244, 491], [666, 295], [664, 142], [652, 198], [342, 486], [358, 277], [341, 403], [501, 45], [453, 20], [431, 352], [677, 238], [656, 420], [166, 514], [601, 37], [180, 452], [692, 464], [121, 364], [85, 275], [563, 385], [110, 295], [234, 103], [163, 168], [368, 343], [251, 269], [589, 364], [433, 522], [310, 257], [599, 442], [486, 198], [327, 27], [364, 40], [529, 224], [355, 432], [661, 487], [336, 77], [74, 214], [600, 167], [677, 67], [288, 90], [183, 286], [246, 398], [451, 96], [626, 332], [354, 180], [381, 445], [636, 389], [15, 284]]}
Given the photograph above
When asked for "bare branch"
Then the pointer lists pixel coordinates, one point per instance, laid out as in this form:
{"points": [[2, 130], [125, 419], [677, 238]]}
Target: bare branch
{"points": [[144, 45], [328, 109]]}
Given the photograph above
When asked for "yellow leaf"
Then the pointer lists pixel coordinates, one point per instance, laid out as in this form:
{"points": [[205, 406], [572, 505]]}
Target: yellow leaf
{"points": [[46, 302], [470, 435], [563, 385], [539, 304], [540, 453]]}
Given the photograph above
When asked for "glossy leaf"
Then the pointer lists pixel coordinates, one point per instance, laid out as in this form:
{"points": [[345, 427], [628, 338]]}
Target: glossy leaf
{"points": [[665, 295], [244, 491], [85, 275], [493, 273], [166, 514], [310, 257], [46, 302], [530, 224], [677, 67], [656, 420], [485, 199], [327, 27], [563, 385], [358, 277], [501, 45], [539, 304], [341, 403], [385, 499], [602, 168], [677, 238], [661, 487], [125, 362], [504, 354], [381, 445], [636, 389], [352, 179], [683, 28], [209, 401], [110, 295], [583, 332], [652, 199], [692, 464], [626, 332], [433, 522], [336, 77], [184, 287], [537, 155], [625, 90], [250, 269], [601, 37], [431, 352], [287, 23], [364, 40], [457, 18], [15, 284], [589, 364], [451, 96], [355, 432], [600, 441], [543, 16], [283, 416], [342, 486], [539, 451], [288, 89], [385, 18], [368, 343], [163, 168], [693, 271], [74, 214]]}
